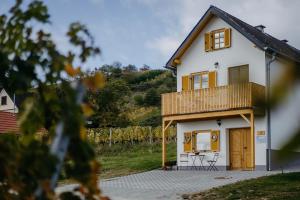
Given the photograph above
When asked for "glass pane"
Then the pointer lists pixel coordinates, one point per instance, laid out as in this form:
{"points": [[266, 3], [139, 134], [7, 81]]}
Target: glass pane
{"points": [[222, 34], [221, 40], [217, 35], [203, 141], [216, 41], [196, 82], [204, 81], [217, 46], [222, 45]]}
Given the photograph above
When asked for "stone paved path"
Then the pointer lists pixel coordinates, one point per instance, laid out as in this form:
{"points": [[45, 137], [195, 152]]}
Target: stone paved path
{"points": [[161, 185]]}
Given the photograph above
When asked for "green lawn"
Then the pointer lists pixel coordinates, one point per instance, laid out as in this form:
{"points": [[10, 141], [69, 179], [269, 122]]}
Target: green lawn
{"points": [[128, 159], [283, 186]]}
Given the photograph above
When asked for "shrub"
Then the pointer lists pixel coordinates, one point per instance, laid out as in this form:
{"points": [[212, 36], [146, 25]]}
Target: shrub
{"points": [[152, 98], [139, 100]]}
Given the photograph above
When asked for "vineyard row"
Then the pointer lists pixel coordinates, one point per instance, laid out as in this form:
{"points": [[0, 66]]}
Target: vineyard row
{"points": [[134, 134]]}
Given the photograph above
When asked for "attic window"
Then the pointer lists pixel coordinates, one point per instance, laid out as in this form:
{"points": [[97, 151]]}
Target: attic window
{"points": [[3, 100], [218, 39]]}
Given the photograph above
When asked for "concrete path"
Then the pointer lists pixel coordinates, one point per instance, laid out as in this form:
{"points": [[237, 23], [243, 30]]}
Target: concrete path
{"points": [[161, 185]]}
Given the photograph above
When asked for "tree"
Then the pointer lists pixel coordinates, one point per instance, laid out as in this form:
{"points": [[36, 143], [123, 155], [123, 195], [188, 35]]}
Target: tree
{"points": [[112, 71], [152, 97], [139, 100], [145, 68], [29, 167], [130, 68], [109, 104]]}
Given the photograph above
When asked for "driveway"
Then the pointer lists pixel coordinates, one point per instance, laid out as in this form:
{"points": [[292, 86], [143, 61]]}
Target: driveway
{"points": [[158, 184]]}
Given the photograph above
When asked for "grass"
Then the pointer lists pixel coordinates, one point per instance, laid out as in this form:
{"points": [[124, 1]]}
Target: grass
{"points": [[125, 159], [282, 186]]}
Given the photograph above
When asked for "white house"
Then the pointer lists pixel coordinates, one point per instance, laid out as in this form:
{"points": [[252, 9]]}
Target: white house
{"points": [[223, 67], [7, 103]]}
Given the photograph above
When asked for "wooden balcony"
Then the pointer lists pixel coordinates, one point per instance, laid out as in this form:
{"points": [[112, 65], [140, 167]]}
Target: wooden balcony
{"points": [[223, 98]]}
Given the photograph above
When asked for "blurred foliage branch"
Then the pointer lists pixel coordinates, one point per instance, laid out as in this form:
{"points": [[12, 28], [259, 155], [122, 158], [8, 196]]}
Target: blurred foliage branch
{"points": [[29, 58]]}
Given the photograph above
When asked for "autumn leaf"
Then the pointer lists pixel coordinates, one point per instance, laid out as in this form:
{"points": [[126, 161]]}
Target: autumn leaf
{"points": [[97, 81], [87, 110], [72, 71]]}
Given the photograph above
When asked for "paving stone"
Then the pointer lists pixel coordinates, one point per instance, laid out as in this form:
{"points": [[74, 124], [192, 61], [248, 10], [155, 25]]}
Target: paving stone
{"points": [[161, 185]]}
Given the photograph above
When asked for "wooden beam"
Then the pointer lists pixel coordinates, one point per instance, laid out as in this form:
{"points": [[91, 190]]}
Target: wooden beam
{"points": [[170, 122], [163, 144], [252, 139], [195, 116], [245, 118], [177, 61]]}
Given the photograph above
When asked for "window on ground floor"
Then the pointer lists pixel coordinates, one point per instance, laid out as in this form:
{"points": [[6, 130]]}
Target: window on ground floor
{"points": [[202, 141]]}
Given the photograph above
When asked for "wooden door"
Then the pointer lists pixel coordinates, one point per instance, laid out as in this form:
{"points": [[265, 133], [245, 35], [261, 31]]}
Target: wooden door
{"points": [[247, 164], [239, 74], [240, 148]]}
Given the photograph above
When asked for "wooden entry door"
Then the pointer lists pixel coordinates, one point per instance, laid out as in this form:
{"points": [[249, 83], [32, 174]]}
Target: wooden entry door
{"points": [[240, 149]]}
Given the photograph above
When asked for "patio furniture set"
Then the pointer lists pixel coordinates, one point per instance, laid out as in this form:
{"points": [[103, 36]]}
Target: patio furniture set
{"points": [[184, 159]]}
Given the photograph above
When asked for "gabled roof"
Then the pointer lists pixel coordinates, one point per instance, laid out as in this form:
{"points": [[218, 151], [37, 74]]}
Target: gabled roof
{"points": [[19, 98], [8, 122], [261, 39]]}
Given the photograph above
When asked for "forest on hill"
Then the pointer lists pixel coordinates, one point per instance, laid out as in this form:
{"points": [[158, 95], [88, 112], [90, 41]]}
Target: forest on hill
{"points": [[130, 97]]}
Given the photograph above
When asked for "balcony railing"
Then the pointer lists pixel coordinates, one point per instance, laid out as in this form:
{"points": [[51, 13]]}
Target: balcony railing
{"points": [[229, 97]]}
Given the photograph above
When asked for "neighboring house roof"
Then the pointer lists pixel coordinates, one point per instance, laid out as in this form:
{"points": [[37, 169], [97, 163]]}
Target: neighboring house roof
{"points": [[261, 39], [8, 122]]}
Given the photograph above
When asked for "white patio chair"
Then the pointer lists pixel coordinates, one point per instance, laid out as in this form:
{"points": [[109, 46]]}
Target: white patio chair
{"points": [[184, 158]]}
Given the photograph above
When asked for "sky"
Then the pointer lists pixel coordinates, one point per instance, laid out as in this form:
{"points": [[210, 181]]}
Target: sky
{"points": [[149, 31]]}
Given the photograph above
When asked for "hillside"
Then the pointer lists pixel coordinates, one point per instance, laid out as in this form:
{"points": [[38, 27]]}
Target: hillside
{"points": [[130, 96]]}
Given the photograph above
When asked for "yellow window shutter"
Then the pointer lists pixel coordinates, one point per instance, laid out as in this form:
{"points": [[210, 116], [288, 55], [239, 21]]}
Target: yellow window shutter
{"points": [[212, 79], [208, 42], [227, 37], [187, 143], [194, 141], [215, 140], [185, 83]]}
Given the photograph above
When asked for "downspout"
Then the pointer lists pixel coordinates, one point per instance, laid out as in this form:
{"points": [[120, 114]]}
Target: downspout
{"points": [[269, 110]]}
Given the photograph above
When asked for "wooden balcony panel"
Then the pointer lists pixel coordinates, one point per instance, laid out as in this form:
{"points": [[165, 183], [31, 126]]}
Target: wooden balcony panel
{"points": [[221, 98]]}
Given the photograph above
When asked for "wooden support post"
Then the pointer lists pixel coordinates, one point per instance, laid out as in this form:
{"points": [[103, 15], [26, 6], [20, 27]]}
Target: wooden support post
{"points": [[170, 122], [245, 118], [252, 139], [163, 144]]}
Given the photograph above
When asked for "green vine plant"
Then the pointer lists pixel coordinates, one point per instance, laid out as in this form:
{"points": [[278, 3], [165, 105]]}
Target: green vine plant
{"points": [[32, 65]]}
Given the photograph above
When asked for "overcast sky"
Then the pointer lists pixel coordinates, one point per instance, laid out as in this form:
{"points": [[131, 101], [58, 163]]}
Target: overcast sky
{"points": [[149, 31]]}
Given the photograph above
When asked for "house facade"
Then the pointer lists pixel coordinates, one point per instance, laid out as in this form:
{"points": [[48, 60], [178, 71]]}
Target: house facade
{"points": [[224, 69]]}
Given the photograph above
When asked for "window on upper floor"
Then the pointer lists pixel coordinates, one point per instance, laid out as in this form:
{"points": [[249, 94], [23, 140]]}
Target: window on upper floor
{"points": [[3, 100], [218, 39]]}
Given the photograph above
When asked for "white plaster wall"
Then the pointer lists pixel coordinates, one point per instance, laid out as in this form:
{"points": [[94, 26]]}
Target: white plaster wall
{"points": [[260, 148], [285, 118], [9, 107], [241, 52]]}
